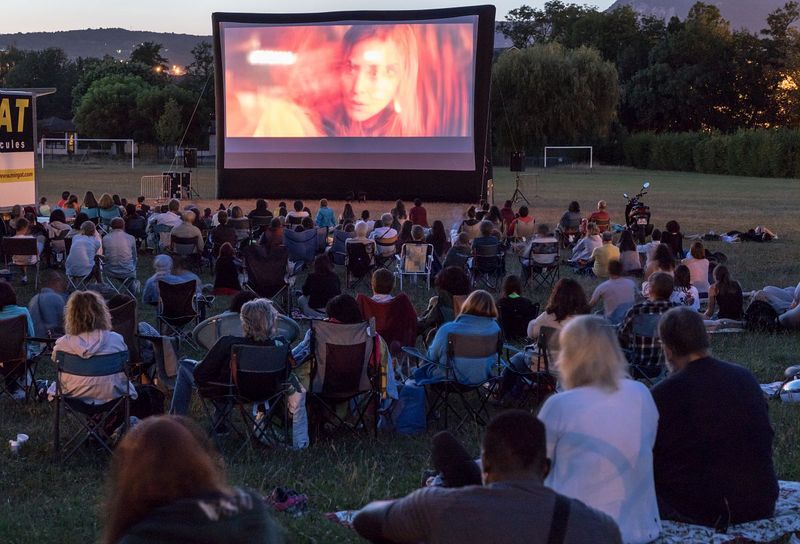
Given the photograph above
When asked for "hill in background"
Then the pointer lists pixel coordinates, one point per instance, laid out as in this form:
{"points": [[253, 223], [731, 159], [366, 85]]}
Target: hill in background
{"points": [[749, 14], [98, 42]]}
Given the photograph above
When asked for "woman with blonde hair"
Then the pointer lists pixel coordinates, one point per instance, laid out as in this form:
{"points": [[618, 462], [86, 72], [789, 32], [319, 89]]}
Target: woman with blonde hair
{"points": [[167, 485], [601, 430], [478, 317], [87, 323]]}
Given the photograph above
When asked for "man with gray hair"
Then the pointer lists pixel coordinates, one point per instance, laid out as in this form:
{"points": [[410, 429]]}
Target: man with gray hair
{"points": [[119, 250], [712, 459], [385, 233], [186, 229]]}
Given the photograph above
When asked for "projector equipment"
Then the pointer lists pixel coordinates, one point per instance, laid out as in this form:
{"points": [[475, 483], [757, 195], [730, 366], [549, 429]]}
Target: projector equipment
{"points": [[180, 185], [190, 157], [518, 161]]}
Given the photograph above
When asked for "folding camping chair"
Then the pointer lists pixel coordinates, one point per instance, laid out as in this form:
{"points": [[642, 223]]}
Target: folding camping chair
{"points": [[259, 377], [106, 216], [645, 333], [302, 246], [177, 308], [535, 385], [386, 250], [395, 321], [322, 239], [23, 247], [546, 271], [162, 234], [338, 251], [14, 362], [456, 381], [358, 262], [58, 249], [93, 419], [125, 322], [415, 260], [342, 374], [242, 227], [487, 265], [212, 329], [268, 273], [188, 248]]}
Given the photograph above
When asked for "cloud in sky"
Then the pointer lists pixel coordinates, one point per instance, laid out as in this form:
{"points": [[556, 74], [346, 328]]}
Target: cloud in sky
{"points": [[194, 17]]}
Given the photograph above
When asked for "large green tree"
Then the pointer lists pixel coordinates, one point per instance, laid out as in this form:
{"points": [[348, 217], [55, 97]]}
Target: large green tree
{"points": [[547, 94], [46, 68], [109, 109]]}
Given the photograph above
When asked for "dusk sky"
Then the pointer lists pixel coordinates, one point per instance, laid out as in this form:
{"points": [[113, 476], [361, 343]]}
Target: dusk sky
{"points": [[194, 17]]}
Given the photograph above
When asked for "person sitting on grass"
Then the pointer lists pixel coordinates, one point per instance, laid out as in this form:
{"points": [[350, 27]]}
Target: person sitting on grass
{"points": [[724, 296], [644, 350], [618, 294], [321, 285], [629, 255], [685, 294], [513, 506], [604, 254], [166, 484], [601, 217], [261, 210], [601, 430], [698, 267], [649, 249], [43, 209], [713, 452], [662, 261], [582, 252]]}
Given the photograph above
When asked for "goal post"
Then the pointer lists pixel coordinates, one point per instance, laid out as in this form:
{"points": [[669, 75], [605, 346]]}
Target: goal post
{"points": [[83, 148], [564, 147]]}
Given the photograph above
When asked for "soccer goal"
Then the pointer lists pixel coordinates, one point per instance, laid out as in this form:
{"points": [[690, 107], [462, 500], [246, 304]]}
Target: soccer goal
{"points": [[568, 155], [87, 150]]}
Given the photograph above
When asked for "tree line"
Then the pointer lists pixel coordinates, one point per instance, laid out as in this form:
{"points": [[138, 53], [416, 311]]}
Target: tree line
{"points": [[137, 98], [577, 75]]}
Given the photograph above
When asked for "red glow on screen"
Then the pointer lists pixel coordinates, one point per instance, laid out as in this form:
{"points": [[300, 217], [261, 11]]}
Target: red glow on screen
{"points": [[406, 80]]}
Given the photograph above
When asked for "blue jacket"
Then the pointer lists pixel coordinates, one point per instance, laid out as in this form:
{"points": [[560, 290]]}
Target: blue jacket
{"points": [[325, 218], [467, 370]]}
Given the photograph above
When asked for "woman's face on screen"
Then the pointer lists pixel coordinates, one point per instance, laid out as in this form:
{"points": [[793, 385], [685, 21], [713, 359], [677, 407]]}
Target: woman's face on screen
{"points": [[370, 77]]}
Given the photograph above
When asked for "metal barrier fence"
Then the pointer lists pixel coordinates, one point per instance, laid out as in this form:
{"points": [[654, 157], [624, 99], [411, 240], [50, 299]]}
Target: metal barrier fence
{"points": [[155, 187]]}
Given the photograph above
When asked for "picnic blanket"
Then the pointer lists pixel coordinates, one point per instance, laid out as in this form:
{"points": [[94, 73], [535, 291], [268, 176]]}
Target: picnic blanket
{"points": [[785, 521]]}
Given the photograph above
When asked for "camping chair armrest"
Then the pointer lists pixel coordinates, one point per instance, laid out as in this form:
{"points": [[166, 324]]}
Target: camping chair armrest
{"points": [[41, 340], [417, 354]]}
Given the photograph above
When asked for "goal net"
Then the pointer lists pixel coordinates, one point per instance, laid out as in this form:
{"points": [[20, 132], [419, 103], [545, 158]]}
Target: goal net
{"points": [[87, 150], [569, 156]]}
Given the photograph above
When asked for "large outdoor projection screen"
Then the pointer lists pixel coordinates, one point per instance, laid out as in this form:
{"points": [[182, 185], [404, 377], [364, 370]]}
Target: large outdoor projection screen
{"points": [[388, 104]]}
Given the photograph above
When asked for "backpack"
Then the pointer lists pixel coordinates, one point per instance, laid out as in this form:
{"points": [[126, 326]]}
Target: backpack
{"points": [[149, 401], [760, 317]]}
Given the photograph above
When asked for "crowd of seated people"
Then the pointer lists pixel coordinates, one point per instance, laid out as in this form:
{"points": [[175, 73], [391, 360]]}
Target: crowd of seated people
{"points": [[618, 482]]}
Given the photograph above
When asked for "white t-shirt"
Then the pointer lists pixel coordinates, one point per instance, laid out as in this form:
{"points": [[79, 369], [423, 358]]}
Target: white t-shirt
{"points": [[615, 292], [545, 320], [686, 297], [601, 446]]}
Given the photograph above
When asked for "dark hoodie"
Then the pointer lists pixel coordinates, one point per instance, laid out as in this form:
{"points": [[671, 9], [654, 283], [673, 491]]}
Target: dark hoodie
{"points": [[242, 518]]}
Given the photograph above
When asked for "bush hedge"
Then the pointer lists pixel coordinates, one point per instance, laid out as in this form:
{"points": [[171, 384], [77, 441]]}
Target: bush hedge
{"points": [[755, 152]]}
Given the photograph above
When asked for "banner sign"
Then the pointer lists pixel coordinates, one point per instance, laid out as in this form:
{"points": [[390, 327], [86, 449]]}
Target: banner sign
{"points": [[17, 149]]}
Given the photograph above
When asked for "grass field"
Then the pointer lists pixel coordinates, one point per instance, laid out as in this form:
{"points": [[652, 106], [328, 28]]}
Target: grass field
{"points": [[44, 502]]}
